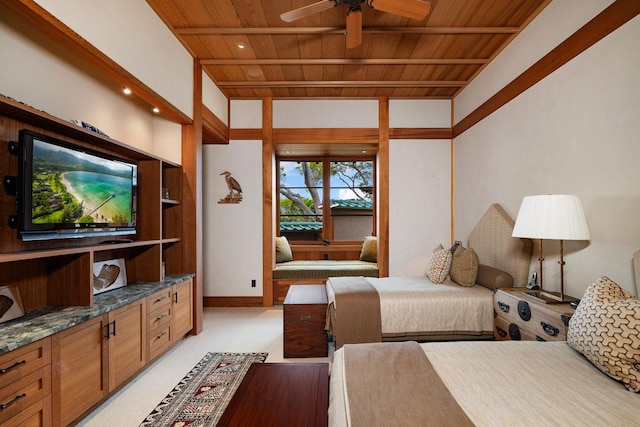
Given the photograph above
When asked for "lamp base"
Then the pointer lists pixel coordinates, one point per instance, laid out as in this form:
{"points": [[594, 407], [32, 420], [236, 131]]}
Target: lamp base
{"points": [[551, 297]]}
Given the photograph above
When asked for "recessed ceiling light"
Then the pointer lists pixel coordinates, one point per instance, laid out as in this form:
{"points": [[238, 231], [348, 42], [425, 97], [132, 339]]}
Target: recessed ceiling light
{"points": [[240, 45], [254, 72], [126, 91], [156, 110]]}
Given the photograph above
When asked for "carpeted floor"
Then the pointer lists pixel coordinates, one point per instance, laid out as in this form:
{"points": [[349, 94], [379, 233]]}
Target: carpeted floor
{"points": [[233, 330]]}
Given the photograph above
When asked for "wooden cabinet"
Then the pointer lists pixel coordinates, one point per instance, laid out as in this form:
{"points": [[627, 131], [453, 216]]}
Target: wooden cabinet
{"points": [[127, 333], [169, 317], [520, 316], [59, 272], [79, 367], [182, 308], [25, 385], [305, 310], [159, 322], [94, 358]]}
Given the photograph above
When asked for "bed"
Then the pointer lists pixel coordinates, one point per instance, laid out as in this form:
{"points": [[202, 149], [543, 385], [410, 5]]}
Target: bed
{"points": [[363, 309], [593, 378], [506, 383]]}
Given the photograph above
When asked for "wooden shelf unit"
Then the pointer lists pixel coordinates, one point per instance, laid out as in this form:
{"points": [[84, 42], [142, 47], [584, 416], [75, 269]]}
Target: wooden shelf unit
{"points": [[60, 272]]}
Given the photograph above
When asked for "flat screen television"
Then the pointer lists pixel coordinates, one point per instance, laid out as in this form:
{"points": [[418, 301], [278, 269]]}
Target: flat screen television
{"points": [[68, 191]]}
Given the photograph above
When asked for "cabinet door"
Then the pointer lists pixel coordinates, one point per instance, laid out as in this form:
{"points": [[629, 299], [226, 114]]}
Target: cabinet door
{"points": [[78, 369], [127, 342], [182, 309]]}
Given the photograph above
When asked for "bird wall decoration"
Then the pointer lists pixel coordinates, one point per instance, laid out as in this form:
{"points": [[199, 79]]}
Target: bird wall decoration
{"points": [[235, 191]]}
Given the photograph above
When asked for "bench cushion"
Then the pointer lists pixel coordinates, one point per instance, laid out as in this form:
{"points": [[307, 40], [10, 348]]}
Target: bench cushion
{"points": [[319, 269]]}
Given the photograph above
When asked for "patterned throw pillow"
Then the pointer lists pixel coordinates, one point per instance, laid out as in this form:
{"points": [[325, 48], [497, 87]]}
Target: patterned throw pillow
{"points": [[464, 266], [606, 330], [439, 264]]}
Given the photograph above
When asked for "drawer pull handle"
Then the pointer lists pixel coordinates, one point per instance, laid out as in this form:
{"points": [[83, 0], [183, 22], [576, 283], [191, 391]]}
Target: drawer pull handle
{"points": [[163, 297], [305, 318], [501, 331], [12, 367], [161, 335], [162, 316], [12, 401], [503, 307], [550, 329], [539, 338]]}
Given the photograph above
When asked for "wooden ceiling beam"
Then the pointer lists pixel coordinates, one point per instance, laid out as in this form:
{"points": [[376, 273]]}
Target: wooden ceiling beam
{"points": [[216, 31], [342, 83], [347, 61]]}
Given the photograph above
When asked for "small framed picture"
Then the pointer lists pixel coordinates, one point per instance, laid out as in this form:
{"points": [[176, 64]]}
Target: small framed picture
{"points": [[10, 303], [109, 275]]}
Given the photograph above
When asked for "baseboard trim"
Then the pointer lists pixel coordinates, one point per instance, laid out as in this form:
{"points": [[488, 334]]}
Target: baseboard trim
{"points": [[232, 301]]}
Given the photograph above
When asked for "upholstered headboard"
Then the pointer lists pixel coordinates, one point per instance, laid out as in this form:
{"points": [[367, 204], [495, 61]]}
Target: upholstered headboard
{"points": [[636, 269], [491, 240]]}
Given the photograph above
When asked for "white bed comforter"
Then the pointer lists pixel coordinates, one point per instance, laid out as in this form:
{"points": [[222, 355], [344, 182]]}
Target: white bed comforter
{"points": [[412, 306]]}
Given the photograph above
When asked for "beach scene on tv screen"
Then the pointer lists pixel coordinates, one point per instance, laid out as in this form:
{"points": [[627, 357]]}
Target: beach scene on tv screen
{"points": [[72, 187]]}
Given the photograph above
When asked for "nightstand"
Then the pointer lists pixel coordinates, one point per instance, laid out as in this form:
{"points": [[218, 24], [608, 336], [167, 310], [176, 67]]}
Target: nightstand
{"points": [[521, 316]]}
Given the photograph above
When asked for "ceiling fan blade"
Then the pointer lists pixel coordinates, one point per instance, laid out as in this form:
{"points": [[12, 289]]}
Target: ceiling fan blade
{"points": [[414, 9], [302, 12], [354, 29]]}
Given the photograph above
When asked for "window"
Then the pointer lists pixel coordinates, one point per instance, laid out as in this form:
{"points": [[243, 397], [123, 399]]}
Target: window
{"points": [[325, 198]]}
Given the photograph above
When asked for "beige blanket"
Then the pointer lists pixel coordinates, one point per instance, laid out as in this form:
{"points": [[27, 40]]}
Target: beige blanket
{"points": [[412, 307], [394, 384], [358, 320]]}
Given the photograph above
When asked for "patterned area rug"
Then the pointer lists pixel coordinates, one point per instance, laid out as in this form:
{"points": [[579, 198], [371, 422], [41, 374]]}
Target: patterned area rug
{"points": [[201, 396]]}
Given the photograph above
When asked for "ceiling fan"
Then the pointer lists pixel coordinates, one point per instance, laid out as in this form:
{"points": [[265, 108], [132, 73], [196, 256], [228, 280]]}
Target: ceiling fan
{"points": [[413, 9]]}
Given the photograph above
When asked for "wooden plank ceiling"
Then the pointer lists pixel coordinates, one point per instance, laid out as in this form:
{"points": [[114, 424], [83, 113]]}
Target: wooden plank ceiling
{"points": [[398, 57]]}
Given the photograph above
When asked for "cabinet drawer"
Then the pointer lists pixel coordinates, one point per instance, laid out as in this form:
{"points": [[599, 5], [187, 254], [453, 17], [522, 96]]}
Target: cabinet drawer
{"points": [[504, 330], [36, 415], [159, 318], [159, 299], [536, 320], [18, 363], [159, 341], [25, 392]]}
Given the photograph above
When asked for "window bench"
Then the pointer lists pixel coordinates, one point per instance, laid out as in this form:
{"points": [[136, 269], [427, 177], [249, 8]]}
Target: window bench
{"points": [[316, 272]]}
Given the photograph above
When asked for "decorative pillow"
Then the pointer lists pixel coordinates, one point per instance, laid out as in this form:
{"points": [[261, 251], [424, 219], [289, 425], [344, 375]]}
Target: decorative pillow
{"points": [[464, 266], [439, 264], [492, 278], [606, 330], [369, 249], [283, 250]]}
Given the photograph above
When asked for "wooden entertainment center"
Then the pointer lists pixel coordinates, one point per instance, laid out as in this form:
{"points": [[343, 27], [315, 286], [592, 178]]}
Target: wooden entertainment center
{"points": [[64, 356]]}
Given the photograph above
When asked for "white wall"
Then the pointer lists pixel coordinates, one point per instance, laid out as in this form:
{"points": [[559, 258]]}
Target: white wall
{"points": [[232, 232], [419, 186], [40, 73], [576, 132], [325, 113], [419, 203], [214, 99], [552, 26], [132, 35]]}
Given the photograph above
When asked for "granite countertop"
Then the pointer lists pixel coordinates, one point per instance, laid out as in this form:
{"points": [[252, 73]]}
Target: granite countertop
{"points": [[46, 321]]}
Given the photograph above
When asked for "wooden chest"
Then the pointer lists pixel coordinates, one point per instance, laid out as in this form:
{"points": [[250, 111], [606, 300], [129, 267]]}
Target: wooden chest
{"points": [[520, 316], [305, 310]]}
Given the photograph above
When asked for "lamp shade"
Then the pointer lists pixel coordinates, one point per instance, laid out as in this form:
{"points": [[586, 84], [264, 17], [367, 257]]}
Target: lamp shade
{"points": [[551, 216]]}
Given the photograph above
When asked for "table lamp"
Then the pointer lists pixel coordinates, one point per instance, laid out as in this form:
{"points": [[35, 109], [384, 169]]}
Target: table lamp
{"points": [[552, 217]]}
